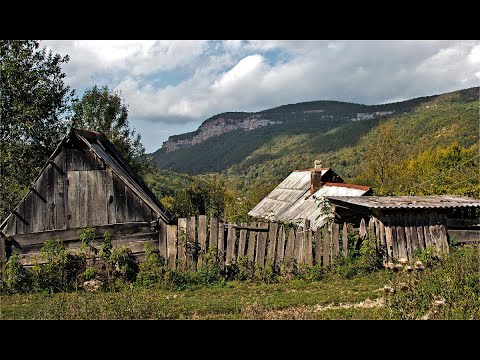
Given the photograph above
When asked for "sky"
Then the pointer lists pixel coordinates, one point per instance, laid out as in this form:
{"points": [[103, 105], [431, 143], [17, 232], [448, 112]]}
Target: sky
{"points": [[172, 86]]}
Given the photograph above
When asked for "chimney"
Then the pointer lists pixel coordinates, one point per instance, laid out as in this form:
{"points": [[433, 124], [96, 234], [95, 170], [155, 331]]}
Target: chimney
{"points": [[316, 177]]}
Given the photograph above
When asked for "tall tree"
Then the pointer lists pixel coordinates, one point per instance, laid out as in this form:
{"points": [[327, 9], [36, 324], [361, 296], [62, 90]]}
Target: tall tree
{"points": [[105, 110], [34, 104]]}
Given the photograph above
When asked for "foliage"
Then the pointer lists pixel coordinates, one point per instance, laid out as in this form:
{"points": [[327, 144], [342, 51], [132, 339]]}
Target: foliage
{"points": [[34, 104], [450, 289], [104, 110], [124, 264], [15, 276], [89, 273], [106, 247], [86, 237], [151, 270]]}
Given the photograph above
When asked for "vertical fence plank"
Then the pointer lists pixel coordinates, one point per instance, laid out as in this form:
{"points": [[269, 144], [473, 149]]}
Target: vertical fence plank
{"points": [[242, 242], [408, 235], [290, 249], [401, 241], [272, 242], [363, 229], [326, 246], [431, 230], [212, 243], [308, 244], [280, 245], [443, 239], [389, 239], [182, 243], [261, 243], [231, 238], [3, 255], [221, 243], [335, 242], [299, 241], [345, 239], [318, 247], [413, 231], [419, 229], [426, 230], [202, 238], [172, 246], [252, 243], [162, 241], [192, 243]]}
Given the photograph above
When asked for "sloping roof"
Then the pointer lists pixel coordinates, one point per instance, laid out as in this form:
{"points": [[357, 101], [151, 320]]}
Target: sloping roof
{"points": [[292, 188], [103, 148], [307, 206], [291, 200], [406, 202]]}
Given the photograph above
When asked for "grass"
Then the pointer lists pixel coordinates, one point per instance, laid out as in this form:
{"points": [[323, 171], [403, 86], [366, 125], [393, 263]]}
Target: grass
{"points": [[296, 299]]}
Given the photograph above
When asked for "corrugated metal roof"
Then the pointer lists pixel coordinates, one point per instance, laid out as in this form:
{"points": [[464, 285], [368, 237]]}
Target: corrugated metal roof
{"points": [[307, 207], [406, 202], [291, 200], [292, 188]]}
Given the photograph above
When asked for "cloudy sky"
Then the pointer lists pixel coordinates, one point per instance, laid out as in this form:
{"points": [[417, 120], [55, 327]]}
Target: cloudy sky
{"points": [[172, 86]]}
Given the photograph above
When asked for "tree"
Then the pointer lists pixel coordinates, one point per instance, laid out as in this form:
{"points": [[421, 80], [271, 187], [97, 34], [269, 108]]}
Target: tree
{"points": [[104, 110], [381, 167], [34, 104]]}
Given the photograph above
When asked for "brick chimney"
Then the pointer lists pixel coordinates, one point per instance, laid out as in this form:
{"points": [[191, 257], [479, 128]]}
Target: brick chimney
{"points": [[316, 177]]}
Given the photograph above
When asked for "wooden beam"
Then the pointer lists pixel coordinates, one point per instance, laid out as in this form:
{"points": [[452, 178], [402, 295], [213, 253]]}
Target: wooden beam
{"points": [[464, 236]]}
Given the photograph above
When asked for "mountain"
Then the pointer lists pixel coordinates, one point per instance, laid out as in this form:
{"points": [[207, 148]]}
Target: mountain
{"points": [[270, 143]]}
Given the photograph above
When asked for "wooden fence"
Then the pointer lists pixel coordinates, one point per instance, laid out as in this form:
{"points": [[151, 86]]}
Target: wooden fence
{"points": [[184, 245]]}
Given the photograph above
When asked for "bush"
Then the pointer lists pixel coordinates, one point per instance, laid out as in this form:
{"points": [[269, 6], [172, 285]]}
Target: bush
{"points": [[151, 270], [15, 277], [123, 264], [449, 289]]}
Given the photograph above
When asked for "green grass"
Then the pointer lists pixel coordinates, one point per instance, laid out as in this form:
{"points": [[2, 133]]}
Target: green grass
{"points": [[233, 300]]}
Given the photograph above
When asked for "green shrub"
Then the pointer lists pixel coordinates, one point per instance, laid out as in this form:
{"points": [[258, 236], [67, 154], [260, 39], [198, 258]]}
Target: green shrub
{"points": [[151, 270], [86, 237], [106, 247], [265, 273], [15, 277], [123, 264], [89, 273]]}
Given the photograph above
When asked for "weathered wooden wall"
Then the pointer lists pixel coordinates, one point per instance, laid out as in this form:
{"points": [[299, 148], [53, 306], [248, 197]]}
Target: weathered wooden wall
{"points": [[75, 191]]}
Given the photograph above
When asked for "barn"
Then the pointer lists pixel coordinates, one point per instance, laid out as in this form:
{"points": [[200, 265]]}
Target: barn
{"points": [[295, 199], [85, 183]]}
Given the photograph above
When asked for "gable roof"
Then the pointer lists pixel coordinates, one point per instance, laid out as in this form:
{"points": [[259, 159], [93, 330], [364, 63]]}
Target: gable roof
{"points": [[291, 199], [106, 151]]}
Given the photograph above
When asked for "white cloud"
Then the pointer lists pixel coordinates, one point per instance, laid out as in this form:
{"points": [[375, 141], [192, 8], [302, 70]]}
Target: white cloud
{"points": [[245, 76]]}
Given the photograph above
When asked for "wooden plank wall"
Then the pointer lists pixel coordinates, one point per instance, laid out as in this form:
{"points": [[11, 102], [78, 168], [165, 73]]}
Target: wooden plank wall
{"points": [[76, 190]]}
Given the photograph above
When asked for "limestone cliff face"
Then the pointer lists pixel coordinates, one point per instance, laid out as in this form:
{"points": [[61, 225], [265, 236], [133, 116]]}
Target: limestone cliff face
{"points": [[217, 126]]}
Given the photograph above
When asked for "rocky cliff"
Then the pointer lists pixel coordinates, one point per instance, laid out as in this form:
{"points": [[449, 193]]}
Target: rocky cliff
{"points": [[217, 126]]}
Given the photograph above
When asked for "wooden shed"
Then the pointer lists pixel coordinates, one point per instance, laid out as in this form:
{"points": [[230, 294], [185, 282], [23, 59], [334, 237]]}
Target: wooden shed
{"points": [[85, 183], [403, 224]]}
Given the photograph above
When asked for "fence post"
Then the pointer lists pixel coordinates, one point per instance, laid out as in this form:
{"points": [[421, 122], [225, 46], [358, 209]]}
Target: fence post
{"points": [[252, 243], [221, 243], [202, 238], [172, 246], [242, 242], [272, 242], [231, 237], [280, 246]]}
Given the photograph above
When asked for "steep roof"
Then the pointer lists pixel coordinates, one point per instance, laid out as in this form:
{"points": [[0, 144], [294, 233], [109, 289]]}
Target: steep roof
{"points": [[105, 150], [406, 202]]}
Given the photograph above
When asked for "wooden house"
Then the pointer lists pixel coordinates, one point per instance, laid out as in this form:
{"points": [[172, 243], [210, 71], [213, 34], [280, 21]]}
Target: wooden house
{"points": [[296, 198], [404, 224], [85, 183]]}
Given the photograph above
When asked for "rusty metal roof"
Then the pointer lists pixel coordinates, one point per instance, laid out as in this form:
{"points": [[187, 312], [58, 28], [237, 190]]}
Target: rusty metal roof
{"points": [[406, 202]]}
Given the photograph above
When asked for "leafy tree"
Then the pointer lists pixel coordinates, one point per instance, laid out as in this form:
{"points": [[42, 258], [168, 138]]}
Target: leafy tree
{"points": [[104, 110], [34, 104]]}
